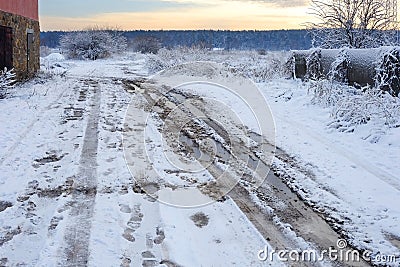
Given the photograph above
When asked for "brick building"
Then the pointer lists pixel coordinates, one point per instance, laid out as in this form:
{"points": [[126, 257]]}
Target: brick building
{"points": [[19, 36]]}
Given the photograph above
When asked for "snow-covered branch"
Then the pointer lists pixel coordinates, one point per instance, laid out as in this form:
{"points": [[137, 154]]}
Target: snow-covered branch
{"points": [[7, 79], [354, 23]]}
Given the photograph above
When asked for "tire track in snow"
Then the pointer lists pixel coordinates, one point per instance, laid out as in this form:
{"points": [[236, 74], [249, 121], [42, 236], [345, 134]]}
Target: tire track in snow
{"points": [[309, 226], [77, 235]]}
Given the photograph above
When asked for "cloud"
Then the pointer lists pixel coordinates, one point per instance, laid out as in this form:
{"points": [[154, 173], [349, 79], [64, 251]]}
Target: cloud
{"points": [[280, 3], [276, 3], [185, 14], [176, 20], [84, 8]]}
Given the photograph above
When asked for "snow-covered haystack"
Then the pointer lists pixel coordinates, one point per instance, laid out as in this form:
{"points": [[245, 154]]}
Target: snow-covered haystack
{"points": [[6, 81], [358, 66]]}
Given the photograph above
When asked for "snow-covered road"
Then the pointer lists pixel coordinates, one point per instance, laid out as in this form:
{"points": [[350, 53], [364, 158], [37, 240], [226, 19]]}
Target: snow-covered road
{"points": [[68, 198], [97, 168]]}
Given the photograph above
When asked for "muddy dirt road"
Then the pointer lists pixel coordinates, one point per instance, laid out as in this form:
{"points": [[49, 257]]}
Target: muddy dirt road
{"points": [[240, 169], [126, 171]]}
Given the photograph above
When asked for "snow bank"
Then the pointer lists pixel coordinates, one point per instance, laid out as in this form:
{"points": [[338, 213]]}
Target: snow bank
{"points": [[55, 57], [53, 64]]}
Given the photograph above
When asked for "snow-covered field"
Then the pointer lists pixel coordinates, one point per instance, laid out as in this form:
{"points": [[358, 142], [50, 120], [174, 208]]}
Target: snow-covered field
{"points": [[69, 197]]}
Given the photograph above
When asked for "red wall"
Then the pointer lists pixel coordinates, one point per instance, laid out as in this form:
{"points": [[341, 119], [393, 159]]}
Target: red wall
{"points": [[26, 8]]}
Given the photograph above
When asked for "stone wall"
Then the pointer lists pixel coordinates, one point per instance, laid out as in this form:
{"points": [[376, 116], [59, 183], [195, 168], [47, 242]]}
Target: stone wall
{"points": [[23, 67]]}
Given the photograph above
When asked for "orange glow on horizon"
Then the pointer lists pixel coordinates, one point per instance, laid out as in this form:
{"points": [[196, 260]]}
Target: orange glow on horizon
{"points": [[239, 16]]}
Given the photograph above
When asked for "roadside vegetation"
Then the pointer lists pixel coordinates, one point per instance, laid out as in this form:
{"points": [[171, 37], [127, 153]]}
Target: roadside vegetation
{"points": [[6, 81], [94, 43]]}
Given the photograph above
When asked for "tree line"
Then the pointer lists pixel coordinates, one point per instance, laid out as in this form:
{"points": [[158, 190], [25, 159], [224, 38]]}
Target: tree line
{"points": [[224, 39]]}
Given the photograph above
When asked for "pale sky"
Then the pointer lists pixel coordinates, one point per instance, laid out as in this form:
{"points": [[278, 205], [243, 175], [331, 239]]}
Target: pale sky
{"points": [[174, 14]]}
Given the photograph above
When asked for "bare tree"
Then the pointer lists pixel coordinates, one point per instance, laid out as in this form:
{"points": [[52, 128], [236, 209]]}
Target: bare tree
{"points": [[354, 23]]}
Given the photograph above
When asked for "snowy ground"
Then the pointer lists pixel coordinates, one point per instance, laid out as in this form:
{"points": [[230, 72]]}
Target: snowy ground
{"points": [[354, 180], [69, 197]]}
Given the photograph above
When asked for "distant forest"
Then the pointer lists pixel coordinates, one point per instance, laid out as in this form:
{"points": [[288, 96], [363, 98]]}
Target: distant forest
{"points": [[239, 40]]}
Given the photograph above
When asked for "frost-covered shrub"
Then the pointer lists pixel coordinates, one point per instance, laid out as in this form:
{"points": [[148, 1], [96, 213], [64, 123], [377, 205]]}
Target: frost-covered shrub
{"points": [[6, 81], [326, 93], [155, 64], [146, 44], [314, 66], [361, 107], [329, 91], [388, 72], [167, 58], [181, 55], [261, 68], [339, 71], [289, 67], [118, 41], [250, 64], [351, 107], [92, 44]]}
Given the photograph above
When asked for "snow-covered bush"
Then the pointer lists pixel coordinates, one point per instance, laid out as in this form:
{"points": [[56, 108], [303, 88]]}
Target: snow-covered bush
{"points": [[181, 55], [146, 44], [92, 44], [167, 58], [250, 64], [388, 72], [352, 107], [154, 63], [6, 81], [118, 41], [314, 66], [363, 106], [339, 71], [326, 93], [261, 68]]}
